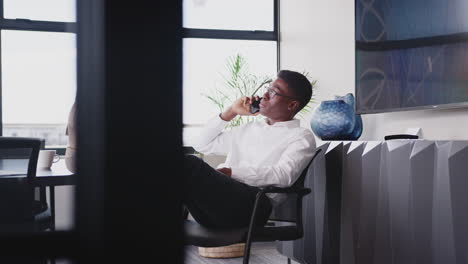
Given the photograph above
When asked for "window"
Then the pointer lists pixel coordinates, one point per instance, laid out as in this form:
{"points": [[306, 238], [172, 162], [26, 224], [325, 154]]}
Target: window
{"points": [[38, 68], [228, 14], [214, 32], [44, 10]]}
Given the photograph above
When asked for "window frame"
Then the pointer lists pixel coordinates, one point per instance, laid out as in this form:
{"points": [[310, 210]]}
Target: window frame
{"points": [[22, 24], [264, 35]]}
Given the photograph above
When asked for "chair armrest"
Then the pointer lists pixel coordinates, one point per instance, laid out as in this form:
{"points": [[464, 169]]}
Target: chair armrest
{"points": [[273, 189], [185, 212]]}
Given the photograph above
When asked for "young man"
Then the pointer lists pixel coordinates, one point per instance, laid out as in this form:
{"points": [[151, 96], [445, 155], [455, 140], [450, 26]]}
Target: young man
{"points": [[273, 151]]}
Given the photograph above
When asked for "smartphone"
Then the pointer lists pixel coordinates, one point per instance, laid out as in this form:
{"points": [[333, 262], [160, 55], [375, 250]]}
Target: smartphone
{"points": [[255, 106]]}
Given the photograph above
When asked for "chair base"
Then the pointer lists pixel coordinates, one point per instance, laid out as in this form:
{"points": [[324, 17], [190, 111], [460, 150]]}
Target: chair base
{"points": [[231, 251]]}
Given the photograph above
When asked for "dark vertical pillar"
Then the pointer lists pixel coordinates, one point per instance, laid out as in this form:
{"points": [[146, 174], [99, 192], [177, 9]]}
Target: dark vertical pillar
{"points": [[90, 123], [130, 130]]}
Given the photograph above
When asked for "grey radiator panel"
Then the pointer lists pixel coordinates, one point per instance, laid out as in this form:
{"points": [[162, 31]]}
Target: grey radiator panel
{"points": [[351, 185], [377, 202], [398, 176], [423, 167], [458, 157], [442, 227], [369, 201]]}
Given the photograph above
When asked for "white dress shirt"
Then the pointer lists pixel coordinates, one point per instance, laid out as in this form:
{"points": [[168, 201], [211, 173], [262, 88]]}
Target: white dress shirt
{"points": [[260, 154]]}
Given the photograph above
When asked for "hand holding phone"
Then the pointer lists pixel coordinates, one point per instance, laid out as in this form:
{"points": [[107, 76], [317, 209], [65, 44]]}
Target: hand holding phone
{"points": [[241, 106], [255, 106]]}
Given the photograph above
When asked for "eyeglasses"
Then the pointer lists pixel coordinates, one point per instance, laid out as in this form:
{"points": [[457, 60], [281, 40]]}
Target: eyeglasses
{"points": [[272, 93]]}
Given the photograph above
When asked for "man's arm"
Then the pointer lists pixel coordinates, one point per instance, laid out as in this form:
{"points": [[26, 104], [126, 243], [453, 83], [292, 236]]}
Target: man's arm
{"points": [[213, 140], [284, 173]]}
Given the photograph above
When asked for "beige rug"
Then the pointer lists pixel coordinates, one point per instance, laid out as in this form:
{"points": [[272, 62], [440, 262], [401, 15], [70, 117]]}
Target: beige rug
{"points": [[231, 251]]}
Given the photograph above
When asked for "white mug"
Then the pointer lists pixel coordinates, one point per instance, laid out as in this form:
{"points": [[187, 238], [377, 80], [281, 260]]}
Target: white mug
{"points": [[46, 158]]}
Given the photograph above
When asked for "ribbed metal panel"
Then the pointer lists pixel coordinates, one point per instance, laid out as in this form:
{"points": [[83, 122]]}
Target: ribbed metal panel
{"points": [[399, 201]]}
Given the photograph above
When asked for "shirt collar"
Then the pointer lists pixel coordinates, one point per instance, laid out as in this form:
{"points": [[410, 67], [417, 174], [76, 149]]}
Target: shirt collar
{"points": [[289, 124]]}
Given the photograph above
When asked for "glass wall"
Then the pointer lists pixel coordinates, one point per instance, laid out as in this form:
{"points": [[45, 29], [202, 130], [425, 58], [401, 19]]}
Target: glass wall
{"points": [[38, 68]]}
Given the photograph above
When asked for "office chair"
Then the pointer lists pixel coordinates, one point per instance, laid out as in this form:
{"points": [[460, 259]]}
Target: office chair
{"points": [[277, 229], [20, 210]]}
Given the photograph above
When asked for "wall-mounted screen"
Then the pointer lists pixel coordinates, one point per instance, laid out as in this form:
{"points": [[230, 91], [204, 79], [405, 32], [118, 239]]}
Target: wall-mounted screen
{"points": [[411, 54]]}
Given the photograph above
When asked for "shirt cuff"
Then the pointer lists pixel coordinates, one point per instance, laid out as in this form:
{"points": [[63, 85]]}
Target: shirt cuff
{"points": [[241, 175], [219, 117]]}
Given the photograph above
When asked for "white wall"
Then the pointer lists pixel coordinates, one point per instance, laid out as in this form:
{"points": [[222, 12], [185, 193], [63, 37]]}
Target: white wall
{"points": [[318, 36]]}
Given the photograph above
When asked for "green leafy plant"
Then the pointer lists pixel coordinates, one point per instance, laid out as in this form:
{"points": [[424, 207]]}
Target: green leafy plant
{"points": [[240, 82]]}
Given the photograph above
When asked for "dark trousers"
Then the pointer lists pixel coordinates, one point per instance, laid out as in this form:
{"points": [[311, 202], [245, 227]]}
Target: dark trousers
{"points": [[216, 200]]}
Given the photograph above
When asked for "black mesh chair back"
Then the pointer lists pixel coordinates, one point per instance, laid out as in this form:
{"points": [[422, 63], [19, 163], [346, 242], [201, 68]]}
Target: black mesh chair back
{"points": [[287, 210], [18, 162]]}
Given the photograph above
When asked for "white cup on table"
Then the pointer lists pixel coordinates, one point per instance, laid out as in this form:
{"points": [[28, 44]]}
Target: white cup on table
{"points": [[46, 158]]}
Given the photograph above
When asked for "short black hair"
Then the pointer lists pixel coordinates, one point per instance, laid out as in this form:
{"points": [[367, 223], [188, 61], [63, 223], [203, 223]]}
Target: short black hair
{"points": [[298, 84]]}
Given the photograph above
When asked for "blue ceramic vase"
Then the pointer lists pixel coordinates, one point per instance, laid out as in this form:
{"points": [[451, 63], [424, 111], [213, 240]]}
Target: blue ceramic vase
{"points": [[336, 119]]}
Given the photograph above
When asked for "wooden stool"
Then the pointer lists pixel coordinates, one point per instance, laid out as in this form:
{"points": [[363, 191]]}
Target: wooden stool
{"points": [[231, 251]]}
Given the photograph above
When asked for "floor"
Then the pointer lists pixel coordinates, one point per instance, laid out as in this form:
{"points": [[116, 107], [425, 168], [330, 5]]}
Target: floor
{"points": [[261, 253]]}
